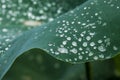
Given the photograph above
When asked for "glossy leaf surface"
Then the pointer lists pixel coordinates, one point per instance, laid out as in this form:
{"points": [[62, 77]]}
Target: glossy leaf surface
{"points": [[89, 32]]}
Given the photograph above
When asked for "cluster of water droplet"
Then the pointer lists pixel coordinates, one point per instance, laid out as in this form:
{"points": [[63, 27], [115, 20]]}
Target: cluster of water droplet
{"points": [[78, 35], [79, 41], [36, 10], [16, 15]]}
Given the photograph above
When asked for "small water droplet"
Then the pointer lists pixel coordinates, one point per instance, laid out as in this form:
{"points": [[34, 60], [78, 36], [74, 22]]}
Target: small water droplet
{"points": [[74, 43], [88, 38], [84, 44], [4, 30], [115, 48], [74, 50], [68, 38], [95, 58], [91, 53], [92, 44], [102, 48], [64, 42], [80, 57], [100, 41], [63, 50]]}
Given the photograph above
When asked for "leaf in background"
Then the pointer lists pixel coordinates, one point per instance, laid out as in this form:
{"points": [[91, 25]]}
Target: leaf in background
{"points": [[103, 70], [89, 32], [37, 65], [117, 65]]}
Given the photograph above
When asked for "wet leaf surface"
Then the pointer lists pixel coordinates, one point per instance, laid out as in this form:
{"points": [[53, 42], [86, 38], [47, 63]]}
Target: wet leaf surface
{"points": [[89, 32]]}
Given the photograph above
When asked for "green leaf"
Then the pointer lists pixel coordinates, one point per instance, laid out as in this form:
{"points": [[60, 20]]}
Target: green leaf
{"points": [[89, 32], [18, 16]]}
